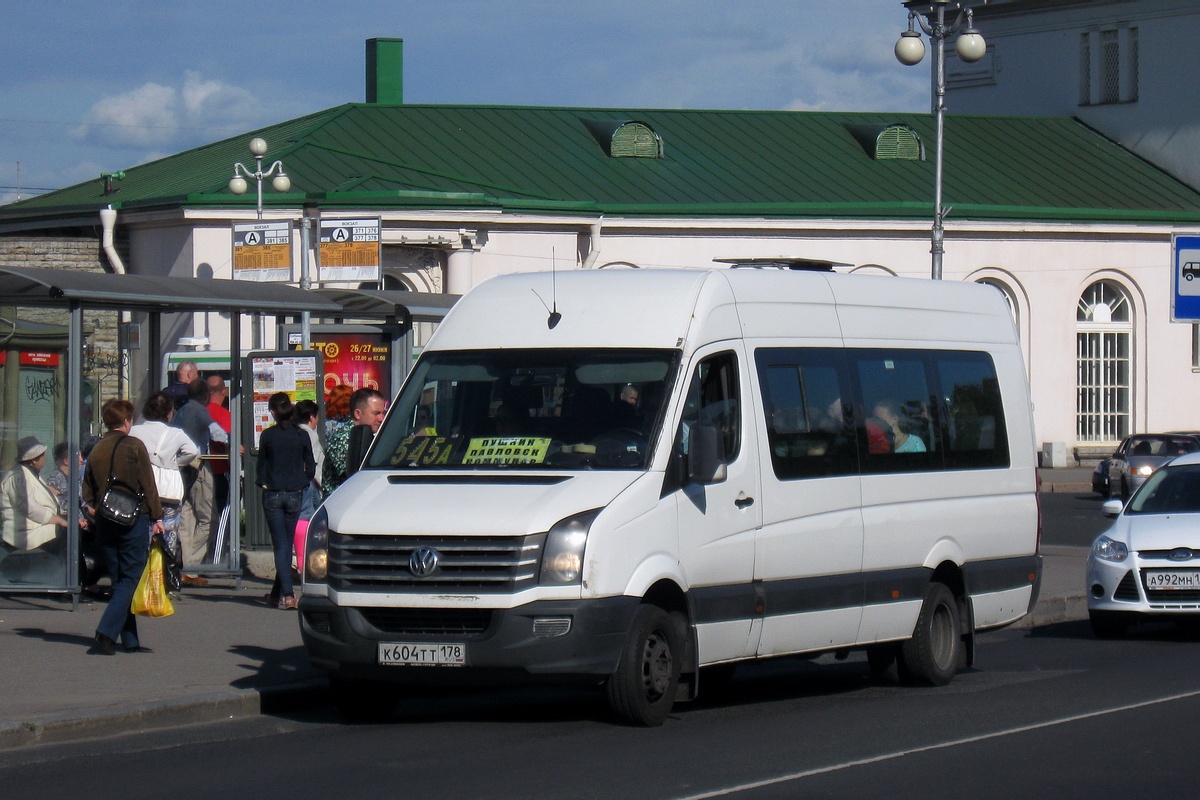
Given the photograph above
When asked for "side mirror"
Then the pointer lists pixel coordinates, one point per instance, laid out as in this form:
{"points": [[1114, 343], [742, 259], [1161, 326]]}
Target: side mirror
{"points": [[1112, 508], [706, 455]]}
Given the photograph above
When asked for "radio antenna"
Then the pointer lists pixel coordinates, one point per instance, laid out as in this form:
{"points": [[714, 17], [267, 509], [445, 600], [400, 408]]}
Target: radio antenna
{"points": [[554, 317]]}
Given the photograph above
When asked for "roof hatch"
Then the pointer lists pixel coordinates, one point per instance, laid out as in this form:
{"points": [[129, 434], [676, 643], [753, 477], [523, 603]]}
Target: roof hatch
{"points": [[625, 138]]}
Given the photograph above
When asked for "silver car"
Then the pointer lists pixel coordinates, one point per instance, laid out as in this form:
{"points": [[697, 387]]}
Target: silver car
{"points": [[1140, 455]]}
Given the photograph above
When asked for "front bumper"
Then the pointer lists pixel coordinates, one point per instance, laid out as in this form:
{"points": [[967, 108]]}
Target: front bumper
{"points": [[1121, 587], [501, 644]]}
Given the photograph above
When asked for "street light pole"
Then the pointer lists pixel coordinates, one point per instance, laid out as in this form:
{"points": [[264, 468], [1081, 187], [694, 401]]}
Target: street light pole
{"points": [[237, 185], [280, 183], [970, 47]]}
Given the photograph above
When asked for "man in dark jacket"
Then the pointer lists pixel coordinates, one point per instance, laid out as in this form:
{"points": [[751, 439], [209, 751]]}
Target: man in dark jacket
{"points": [[367, 408]]}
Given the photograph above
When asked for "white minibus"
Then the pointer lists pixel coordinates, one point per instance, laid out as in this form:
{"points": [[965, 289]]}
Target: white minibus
{"points": [[623, 477]]}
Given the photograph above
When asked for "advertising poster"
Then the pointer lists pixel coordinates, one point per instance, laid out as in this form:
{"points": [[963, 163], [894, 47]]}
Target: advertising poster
{"points": [[296, 373], [358, 360]]}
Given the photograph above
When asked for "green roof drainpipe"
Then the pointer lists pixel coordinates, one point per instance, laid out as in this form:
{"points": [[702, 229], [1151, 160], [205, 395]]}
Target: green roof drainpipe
{"points": [[385, 71]]}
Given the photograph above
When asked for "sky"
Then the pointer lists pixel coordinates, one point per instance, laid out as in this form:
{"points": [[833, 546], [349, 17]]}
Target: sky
{"points": [[90, 87]]}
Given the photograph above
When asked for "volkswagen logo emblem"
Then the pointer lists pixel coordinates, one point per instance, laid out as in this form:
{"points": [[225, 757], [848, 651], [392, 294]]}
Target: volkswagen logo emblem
{"points": [[424, 561], [1180, 554]]}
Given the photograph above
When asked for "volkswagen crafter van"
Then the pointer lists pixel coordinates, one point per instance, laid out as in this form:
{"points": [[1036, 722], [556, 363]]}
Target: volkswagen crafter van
{"points": [[622, 477]]}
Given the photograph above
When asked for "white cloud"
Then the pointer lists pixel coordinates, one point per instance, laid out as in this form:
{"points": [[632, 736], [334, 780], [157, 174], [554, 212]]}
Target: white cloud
{"points": [[144, 116], [166, 118]]}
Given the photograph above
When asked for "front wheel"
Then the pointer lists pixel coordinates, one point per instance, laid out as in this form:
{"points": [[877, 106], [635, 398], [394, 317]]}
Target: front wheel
{"points": [[642, 690], [932, 655]]}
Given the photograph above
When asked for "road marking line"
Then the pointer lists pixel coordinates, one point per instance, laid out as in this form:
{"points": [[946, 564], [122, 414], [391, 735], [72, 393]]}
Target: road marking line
{"points": [[745, 787]]}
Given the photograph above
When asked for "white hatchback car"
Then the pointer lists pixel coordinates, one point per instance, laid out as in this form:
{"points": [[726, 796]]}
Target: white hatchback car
{"points": [[1147, 565]]}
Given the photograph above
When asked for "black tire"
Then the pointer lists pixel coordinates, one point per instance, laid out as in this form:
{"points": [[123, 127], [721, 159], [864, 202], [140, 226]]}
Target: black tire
{"points": [[1108, 624], [362, 701], [642, 690], [935, 651]]}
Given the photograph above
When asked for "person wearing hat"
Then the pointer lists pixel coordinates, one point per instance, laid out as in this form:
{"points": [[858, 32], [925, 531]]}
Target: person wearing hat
{"points": [[29, 508]]}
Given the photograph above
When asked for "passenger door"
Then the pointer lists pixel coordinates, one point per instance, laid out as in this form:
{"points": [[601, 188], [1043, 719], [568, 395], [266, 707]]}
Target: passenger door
{"points": [[717, 521], [810, 548]]}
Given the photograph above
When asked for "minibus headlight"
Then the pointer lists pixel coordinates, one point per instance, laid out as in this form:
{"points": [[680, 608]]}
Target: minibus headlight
{"points": [[562, 560], [1109, 549], [316, 548]]}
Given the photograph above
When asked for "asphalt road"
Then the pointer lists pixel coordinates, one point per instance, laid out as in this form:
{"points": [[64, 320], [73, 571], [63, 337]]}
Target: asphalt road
{"points": [[1048, 713], [1072, 520]]}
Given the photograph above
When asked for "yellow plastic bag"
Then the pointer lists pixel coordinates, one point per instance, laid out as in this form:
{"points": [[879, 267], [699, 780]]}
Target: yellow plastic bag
{"points": [[150, 597]]}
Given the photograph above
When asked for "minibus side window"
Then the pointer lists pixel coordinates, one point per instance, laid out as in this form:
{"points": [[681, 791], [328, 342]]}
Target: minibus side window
{"points": [[900, 411], [805, 396], [713, 399], [975, 432]]}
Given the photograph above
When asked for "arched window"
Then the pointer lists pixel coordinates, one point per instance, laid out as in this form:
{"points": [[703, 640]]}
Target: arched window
{"points": [[1103, 363]]}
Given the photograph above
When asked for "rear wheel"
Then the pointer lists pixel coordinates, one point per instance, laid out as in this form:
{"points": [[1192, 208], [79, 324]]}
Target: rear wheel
{"points": [[932, 655], [642, 690], [364, 701]]}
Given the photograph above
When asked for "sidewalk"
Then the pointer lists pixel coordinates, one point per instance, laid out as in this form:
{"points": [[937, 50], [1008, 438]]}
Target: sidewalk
{"points": [[225, 653]]}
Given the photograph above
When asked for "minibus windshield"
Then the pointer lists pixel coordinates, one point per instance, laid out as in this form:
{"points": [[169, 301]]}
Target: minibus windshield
{"points": [[528, 409]]}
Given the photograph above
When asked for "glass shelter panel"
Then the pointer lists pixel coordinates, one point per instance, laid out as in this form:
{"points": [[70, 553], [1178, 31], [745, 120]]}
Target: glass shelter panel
{"points": [[36, 547]]}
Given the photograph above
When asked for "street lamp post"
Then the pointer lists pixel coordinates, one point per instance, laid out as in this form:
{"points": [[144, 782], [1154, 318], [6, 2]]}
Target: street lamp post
{"points": [[237, 185], [970, 47]]}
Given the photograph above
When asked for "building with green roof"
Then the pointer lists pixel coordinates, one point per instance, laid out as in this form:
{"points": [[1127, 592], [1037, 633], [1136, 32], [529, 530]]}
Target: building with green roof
{"points": [[1073, 228]]}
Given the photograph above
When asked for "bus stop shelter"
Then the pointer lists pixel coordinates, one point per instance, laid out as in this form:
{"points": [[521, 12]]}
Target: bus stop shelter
{"points": [[147, 296]]}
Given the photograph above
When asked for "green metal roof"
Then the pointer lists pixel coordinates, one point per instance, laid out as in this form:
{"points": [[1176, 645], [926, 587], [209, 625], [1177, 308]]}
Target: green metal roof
{"points": [[714, 163]]}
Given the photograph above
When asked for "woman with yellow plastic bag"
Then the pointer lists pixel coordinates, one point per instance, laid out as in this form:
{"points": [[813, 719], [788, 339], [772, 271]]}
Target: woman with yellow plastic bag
{"points": [[118, 476]]}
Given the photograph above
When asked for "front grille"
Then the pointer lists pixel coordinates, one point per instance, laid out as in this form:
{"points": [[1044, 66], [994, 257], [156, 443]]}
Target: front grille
{"points": [[465, 564], [1127, 589], [428, 621]]}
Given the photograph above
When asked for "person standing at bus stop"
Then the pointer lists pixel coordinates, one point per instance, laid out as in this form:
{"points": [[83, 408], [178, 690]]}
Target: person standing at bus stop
{"points": [[122, 458], [196, 526], [285, 468], [218, 409]]}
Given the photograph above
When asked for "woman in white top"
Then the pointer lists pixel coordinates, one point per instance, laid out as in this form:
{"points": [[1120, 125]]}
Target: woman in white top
{"points": [[29, 508], [169, 448]]}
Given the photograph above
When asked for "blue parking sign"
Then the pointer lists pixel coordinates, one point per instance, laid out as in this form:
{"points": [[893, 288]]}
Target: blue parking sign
{"points": [[1185, 278]]}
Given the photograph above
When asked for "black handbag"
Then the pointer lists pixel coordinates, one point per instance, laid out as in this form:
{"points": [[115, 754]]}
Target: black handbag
{"points": [[121, 503]]}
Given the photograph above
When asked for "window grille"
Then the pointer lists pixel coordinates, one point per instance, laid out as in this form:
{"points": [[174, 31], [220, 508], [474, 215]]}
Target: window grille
{"points": [[1085, 69], [635, 140], [1104, 364], [1110, 67]]}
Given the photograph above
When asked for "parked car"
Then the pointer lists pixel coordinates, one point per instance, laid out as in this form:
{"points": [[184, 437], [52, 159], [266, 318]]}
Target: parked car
{"points": [[1147, 565], [1137, 458]]}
